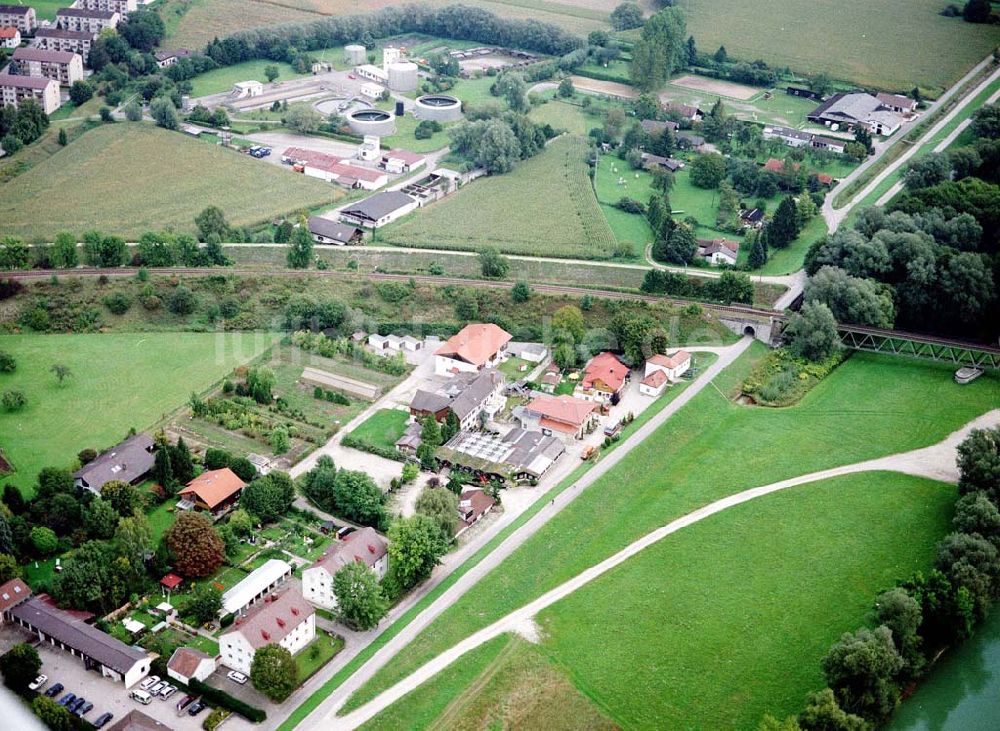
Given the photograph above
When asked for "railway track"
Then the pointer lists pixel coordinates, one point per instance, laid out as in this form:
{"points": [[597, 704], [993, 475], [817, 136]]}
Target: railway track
{"points": [[556, 289]]}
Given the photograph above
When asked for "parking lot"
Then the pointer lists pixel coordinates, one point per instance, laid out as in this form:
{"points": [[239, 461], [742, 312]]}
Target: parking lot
{"points": [[105, 694]]}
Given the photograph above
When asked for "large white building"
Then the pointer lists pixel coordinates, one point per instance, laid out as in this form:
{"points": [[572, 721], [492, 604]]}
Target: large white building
{"points": [[258, 584], [87, 21], [65, 67], [474, 347], [363, 546], [122, 7], [16, 89], [21, 17], [284, 619], [58, 39]]}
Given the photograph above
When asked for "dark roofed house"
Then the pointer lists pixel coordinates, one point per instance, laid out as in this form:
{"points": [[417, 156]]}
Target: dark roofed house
{"points": [[99, 651], [467, 395], [651, 162], [655, 127], [857, 109], [684, 111], [327, 231], [379, 209], [690, 141], [897, 102], [169, 58], [129, 462], [752, 217], [136, 720], [472, 506], [21, 17], [805, 93]]}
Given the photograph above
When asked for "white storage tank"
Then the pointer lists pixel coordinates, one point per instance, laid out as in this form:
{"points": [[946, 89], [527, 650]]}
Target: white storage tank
{"points": [[438, 107], [403, 76], [354, 54], [368, 122]]}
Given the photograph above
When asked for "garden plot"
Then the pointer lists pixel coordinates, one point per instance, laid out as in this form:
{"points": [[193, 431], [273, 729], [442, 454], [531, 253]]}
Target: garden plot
{"points": [[716, 86]]}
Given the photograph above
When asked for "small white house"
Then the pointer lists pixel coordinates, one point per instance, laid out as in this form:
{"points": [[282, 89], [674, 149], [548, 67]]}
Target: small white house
{"points": [[188, 663], [370, 149], [363, 546], [653, 384], [372, 90], [673, 366], [247, 89]]}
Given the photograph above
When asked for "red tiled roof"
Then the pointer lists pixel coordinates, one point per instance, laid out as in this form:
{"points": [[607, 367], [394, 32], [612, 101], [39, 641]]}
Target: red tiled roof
{"points": [[777, 166], [8, 32], [475, 343], [410, 158], [185, 661], [171, 581], [214, 487], [13, 592], [271, 619], [479, 501], [562, 410], [655, 379], [670, 361], [607, 369], [824, 178]]}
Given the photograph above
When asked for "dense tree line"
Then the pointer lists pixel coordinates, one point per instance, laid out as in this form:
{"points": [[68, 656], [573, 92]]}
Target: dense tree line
{"points": [[913, 621], [497, 140], [660, 50], [21, 126], [282, 42], [730, 287]]}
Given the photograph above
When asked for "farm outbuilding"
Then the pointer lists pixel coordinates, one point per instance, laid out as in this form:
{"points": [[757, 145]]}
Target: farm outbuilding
{"points": [[325, 379]]}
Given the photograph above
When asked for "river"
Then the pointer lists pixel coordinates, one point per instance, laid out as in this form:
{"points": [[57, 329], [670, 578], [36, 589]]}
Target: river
{"points": [[962, 692]]}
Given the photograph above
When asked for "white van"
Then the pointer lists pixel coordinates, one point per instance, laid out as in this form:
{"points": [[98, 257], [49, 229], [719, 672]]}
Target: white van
{"points": [[141, 696]]}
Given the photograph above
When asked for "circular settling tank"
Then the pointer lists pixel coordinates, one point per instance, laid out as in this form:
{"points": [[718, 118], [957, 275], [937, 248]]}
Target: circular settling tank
{"points": [[372, 122], [438, 107]]}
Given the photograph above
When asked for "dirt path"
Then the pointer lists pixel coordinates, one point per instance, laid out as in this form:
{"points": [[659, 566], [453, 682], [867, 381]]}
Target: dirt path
{"points": [[325, 713], [937, 461]]}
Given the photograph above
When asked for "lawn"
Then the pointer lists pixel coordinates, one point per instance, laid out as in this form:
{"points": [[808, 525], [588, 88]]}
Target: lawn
{"points": [[545, 206], [161, 518], [648, 658], [223, 79], [317, 654], [846, 40], [118, 381], [476, 691], [565, 116], [142, 178], [873, 405], [382, 428]]}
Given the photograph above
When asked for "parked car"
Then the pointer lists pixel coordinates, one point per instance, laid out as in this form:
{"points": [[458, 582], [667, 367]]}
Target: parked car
{"points": [[76, 705], [103, 720], [54, 690], [155, 690], [184, 703], [38, 682], [345, 531], [149, 682], [237, 677], [141, 696], [67, 699], [84, 709], [167, 692], [196, 708]]}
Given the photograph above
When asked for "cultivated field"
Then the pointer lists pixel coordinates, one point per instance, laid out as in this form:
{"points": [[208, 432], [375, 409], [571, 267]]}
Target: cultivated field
{"points": [[651, 657], [608, 88], [873, 405], [193, 23], [140, 178], [893, 44], [545, 207], [118, 381], [716, 86]]}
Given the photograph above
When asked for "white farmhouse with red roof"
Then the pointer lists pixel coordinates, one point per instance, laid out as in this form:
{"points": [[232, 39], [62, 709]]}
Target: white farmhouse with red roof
{"points": [[663, 369], [284, 619], [474, 347], [364, 546]]}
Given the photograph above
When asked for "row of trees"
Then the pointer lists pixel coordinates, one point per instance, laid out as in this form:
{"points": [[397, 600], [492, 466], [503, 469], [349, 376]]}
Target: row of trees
{"points": [[913, 621]]}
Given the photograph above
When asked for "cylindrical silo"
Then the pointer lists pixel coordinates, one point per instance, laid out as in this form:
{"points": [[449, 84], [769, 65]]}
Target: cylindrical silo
{"points": [[354, 54], [403, 76]]}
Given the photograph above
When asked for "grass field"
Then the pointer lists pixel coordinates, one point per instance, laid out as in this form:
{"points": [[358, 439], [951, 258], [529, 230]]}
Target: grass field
{"points": [[142, 178], [545, 206], [118, 381], [873, 405], [382, 428], [564, 116], [649, 657], [505, 684], [223, 79], [846, 40], [193, 23]]}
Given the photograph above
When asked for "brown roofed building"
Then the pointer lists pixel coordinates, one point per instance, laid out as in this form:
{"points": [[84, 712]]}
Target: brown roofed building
{"points": [[474, 347], [21, 17], [603, 380], [59, 39], [12, 593], [87, 21], [472, 506], [213, 491], [136, 720], [16, 89], [558, 415], [189, 662], [364, 545], [285, 619], [65, 67]]}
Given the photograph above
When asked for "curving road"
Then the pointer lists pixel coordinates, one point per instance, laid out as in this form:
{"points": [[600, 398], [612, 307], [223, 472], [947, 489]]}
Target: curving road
{"points": [[937, 462]]}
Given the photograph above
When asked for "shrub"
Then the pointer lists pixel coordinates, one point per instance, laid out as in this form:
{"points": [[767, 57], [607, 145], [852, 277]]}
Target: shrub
{"points": [[182, 301], [7, 362], [222, 698], [118, 303], [14, 400]]}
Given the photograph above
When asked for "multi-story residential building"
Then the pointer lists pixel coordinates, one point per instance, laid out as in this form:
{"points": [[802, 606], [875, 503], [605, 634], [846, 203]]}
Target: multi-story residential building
{"points": [[286, 620], [364, 546], [15, 89], [59, 39], [122, 7], [87, 21], [63, 66], [21, 17]]}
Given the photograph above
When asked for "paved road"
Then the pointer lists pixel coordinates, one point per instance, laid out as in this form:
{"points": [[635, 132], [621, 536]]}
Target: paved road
{"points": [[326, 712], [835, 216], [937, 461], [939, 147]]}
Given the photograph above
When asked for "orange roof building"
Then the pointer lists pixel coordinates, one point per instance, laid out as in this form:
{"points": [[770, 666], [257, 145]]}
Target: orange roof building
{"points": [[563, 415], [214, 491], [603, 378], [672, 366], [474, 347]]}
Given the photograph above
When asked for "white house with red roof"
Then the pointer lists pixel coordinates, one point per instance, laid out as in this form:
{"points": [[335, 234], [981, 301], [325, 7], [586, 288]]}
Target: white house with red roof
{"points": [[474, 347], [603, 380], [563, 416], [189, 663], [672, 366], [285, 619], [364, 545]]}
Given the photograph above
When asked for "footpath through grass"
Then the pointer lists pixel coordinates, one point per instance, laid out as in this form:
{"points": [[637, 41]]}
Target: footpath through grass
{"points": [[785, 576], [118, 381], [869, 407]]}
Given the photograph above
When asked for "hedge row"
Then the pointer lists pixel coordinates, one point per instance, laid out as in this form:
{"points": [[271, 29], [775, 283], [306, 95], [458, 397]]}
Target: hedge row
{"points": [[355, 443], [221, 698]]}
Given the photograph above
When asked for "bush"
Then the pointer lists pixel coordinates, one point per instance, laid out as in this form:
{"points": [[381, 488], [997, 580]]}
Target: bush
{"points": [[221, 698], [14, 400], [7, 362], [118, 303], [182, 301]]}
